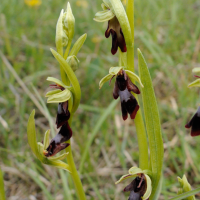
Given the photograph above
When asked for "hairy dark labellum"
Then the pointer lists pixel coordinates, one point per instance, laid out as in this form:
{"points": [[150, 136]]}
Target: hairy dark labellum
{"points": [[137, 188], [63, 114], [58, 142], [115, 30], [194, 123], [123, 88]]}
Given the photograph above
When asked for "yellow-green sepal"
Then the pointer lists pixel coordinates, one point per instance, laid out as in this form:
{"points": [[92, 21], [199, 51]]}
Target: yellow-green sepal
{"points": [[57, 81], [134, 77], [149, 188], [104, 79], [37, 148], [60, 97], [107, 4], [126, 176], [115, 70], [104, 7], [134, 172], [195, 83], [46, 139], [40, 148], [196, 70], [103, 16], [61, 157]]}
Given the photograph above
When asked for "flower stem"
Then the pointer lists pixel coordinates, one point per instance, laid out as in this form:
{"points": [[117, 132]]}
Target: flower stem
{"points": [[77, 182], [139, 124]]}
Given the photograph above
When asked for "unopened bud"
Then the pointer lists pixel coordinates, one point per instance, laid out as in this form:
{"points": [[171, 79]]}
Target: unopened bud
{"points": [[73, 62], [68, 22]]}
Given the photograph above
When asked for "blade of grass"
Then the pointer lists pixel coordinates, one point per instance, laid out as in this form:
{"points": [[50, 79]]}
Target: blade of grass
{"points": [[186, 194], [95, 131], [2, 192]]}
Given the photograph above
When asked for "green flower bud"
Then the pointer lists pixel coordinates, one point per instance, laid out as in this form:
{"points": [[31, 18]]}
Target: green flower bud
{"points": [[73, 62], [68, 21], [185, 187]]}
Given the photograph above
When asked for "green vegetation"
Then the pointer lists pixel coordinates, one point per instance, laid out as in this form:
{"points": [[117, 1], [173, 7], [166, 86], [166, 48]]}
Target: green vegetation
{"points": [[167, 32]]}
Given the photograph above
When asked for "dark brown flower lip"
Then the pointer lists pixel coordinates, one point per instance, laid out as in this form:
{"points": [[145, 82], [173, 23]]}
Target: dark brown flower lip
{"points": [[58, 143], [123, 88], [194, 124], [137, 188], [63, 114], [118, 40]]}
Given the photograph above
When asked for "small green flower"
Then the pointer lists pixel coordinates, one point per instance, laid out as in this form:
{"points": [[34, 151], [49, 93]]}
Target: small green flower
{"points": [[141, 186], [185, 187], [39, 149]]}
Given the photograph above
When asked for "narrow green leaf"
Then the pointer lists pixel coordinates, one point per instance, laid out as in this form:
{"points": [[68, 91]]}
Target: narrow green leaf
{"points": [[186, 194], [78, 44], [31, 134], [2, 191], [95, 130], [152, 120]]}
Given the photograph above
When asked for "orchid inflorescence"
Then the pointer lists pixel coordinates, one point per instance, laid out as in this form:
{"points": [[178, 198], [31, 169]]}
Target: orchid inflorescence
{"points": [[145, 181]]}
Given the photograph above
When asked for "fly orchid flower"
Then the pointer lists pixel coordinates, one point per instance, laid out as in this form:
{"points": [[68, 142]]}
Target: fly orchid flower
{"points": [[113, 28], [123, 88], [194, 123], [140, 188], [38, 148]]}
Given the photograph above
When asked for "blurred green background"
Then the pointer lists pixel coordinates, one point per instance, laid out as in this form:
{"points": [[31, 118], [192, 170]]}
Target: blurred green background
{"points": [[168, 34]]}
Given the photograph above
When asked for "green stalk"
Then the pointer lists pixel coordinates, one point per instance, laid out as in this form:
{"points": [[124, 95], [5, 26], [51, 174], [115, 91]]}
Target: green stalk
{"points": [[67, 49], [2, 192], [127, 24], [139, 124], [70, 160], [77, 182]]}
